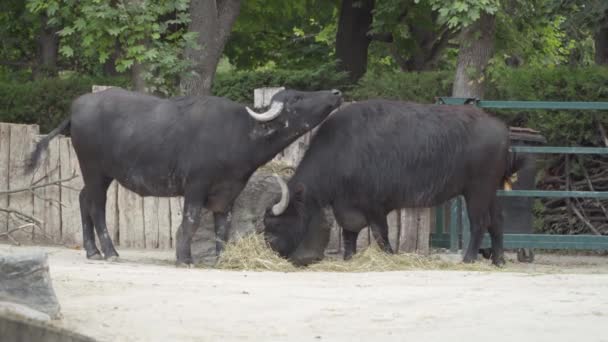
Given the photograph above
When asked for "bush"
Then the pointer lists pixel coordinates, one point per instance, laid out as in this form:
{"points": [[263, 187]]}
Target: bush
{"points": [[560, 127], [45, 102], [238, 86], [413, 86]]}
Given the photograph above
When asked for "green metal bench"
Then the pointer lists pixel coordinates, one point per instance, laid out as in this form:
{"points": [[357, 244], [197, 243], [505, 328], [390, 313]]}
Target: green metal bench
{"points": [[458, 217]]}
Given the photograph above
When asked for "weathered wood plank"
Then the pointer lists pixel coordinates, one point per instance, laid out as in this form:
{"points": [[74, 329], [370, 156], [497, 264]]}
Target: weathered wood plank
{"points": [[363, 239], [38, 199], [71, 222], [164, 223], [414, 230], [52, 194], [112, 212], [131, 218], [409, 231], [394, 222], [335, 240], [150, 207], [21, 144], [177, 205], [4, 156], [335, 233], [424, 230]]}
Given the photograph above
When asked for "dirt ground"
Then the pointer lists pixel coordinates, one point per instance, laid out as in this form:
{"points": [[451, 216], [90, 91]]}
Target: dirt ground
{"points": [[145, 298]]}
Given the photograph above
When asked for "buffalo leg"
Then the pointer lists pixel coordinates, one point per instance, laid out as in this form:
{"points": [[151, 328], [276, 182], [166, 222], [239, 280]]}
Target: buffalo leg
{"points": [[379, 228], [88, 232], [495, 228], [477, 212], [190, 223], [96, 192], [350, 243], [223, 223]]}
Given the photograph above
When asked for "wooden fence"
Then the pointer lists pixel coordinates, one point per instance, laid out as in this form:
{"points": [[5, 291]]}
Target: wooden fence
{"points": [[133, 221]]}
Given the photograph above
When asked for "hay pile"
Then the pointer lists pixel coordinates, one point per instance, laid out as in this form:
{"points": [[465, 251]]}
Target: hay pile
{"points": [[250, 253]]}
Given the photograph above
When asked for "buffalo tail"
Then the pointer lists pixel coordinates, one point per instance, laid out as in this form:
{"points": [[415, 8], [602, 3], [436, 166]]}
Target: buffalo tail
{"points": [[34, 159]]}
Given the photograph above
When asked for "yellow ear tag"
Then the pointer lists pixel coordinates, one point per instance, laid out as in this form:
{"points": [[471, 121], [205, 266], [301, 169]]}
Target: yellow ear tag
{"points": [[508, 183]]}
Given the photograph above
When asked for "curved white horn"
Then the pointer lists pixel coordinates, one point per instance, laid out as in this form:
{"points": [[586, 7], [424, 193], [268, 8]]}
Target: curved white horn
{"points": [[275, 109], [280, 207]]}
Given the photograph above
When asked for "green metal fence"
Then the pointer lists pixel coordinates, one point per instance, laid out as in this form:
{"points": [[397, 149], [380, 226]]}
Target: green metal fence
{"points": [[459, 219]]}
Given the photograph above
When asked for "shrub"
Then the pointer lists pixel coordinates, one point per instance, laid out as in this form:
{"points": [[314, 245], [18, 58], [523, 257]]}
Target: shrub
{"points": [[45, 102]]}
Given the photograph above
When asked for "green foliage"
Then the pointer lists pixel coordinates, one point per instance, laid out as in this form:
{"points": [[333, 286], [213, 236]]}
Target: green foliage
{"points": [[288, 34], [239, 85], [18, 29], [149, 32], [462, 13], [420, 87], [554, 84], [45, 102]]}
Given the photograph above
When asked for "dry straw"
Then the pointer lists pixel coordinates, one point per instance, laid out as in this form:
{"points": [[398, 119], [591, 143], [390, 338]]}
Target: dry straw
{"points": [[251, 253]]}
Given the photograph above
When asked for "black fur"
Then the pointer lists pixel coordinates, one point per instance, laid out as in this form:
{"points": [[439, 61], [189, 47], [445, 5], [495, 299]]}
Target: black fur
{"points": [[204, 149], [372, 157]]}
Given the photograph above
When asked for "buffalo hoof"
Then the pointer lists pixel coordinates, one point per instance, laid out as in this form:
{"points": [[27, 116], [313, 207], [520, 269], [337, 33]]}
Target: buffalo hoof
{"points": [[113, 258], [469, 259], [486, 252], [95, 256], [525, 255], [499, 262]]}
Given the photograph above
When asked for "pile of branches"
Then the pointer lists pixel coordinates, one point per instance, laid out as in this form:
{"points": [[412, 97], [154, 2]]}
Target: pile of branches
{"points": [[19, 220], [575, 215]]}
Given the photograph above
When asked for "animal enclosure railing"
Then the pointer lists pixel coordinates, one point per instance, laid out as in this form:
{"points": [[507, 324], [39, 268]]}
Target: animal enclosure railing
{"points": [[459, 219]]}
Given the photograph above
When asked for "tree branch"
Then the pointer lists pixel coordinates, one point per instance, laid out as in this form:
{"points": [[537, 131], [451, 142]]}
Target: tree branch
{"points": [[23, 216], [585, 221], [31, 188]]}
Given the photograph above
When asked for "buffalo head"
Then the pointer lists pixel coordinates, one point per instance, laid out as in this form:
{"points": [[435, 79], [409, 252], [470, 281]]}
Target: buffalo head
{"points": [[298, 111], [295, 227]]}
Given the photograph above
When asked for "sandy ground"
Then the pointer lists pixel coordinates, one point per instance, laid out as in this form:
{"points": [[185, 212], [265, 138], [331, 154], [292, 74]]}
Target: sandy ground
{"points": [[145, 298]]}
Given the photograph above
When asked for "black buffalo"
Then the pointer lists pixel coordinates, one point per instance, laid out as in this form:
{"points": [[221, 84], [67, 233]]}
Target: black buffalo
{"points": [[202, 148], [375, 156]]}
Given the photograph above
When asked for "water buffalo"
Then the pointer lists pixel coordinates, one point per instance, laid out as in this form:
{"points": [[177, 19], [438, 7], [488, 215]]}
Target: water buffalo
{"points": [[202, 148], [375, 156]]}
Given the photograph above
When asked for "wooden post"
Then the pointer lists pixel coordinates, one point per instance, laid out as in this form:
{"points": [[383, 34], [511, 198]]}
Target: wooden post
{"points": [[164, 223], [150, 208], [21, 145], [131, 219], [176, 205], [4, 157]]}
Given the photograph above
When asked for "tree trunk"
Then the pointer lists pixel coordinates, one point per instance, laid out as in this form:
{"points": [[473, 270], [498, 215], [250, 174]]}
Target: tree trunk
{"points": [[48, 45], [352, 39], [601, 42], [109, 67], [137, 78], [476, 49], [212, 20]]}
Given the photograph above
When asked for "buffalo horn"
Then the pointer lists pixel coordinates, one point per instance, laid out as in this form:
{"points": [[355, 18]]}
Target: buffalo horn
{"points": [[275, 109], [280, 207]]}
